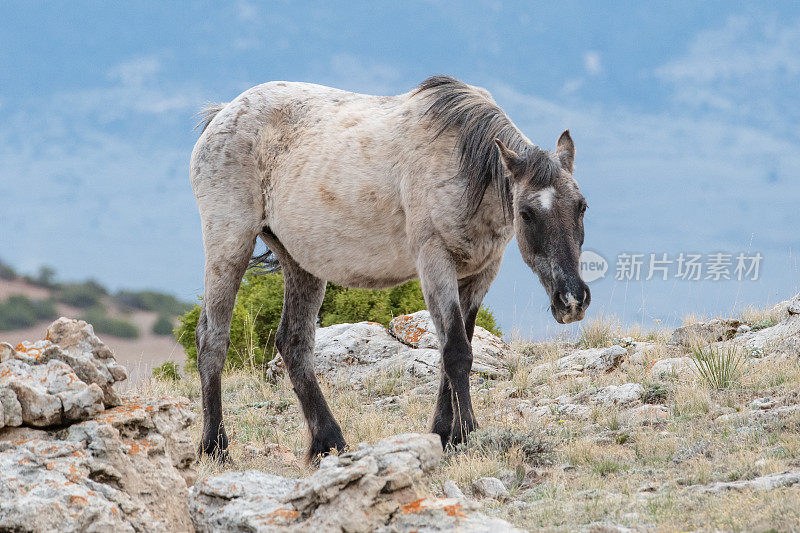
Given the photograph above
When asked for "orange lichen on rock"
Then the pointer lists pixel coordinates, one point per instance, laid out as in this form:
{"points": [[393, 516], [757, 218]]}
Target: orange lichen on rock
{"points": [[284, 513], [454, 510], [78, 500], [413, 507]]}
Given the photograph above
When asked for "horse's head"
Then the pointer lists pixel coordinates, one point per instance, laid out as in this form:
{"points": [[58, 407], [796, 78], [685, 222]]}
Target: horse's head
{"points": [[548, 221]]}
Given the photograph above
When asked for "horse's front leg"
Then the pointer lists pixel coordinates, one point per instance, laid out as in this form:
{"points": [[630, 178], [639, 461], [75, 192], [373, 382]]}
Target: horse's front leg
{"points": [[440, 287], [471, 291]]}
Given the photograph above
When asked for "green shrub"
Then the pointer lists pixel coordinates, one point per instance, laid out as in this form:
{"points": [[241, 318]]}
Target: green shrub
{"points": [[255, 320], [106, 325], [21, 312], [167, 371], [83, 295], [7, 272], [486, 320], [166, 304], [163, 325], [257, 314]]}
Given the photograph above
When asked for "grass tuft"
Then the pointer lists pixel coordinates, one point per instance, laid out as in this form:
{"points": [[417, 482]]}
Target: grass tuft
{"points": [[720, 368]]}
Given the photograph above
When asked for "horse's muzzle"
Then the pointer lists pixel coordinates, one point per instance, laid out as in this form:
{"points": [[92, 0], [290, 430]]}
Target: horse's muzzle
{"points": [[568, 303]]}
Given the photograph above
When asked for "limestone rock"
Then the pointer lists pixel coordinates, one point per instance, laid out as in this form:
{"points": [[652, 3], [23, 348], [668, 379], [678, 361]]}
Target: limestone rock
{"points": [[781, 340], [681, 367], [375, 488], [490, 487], [451, 490], [121, 470], [418, 331], [590, 360], [626, 394], [352, 352], [45, 384], [705, 332], [762, 483]]}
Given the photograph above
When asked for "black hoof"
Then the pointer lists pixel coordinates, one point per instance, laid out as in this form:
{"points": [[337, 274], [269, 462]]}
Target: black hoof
{"points": [[216, 448], [444, 435], [324, 442], [459, 435]]}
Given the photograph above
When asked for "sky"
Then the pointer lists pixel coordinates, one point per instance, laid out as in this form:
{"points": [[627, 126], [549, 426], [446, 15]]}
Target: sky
{"points": [[685, 118]]}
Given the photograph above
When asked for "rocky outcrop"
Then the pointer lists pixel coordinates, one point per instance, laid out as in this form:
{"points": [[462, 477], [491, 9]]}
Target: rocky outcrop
{"points": [[705, 332], [762, 483], [781, 340], [75, 455], [352, 352], [65, 378], [376, 488], [588, 361]]}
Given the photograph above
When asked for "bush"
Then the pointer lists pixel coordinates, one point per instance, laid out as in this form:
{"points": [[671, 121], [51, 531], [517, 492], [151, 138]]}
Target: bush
{"points": [[83, 295], [163, 325], [167, 371], [255, 320], [166, 304], [257, 314], [22, 312], [7, 272], [106, 325]]}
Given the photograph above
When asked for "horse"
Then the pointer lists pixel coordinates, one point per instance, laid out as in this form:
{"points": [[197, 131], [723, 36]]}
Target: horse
{"points": [[373, 191]]}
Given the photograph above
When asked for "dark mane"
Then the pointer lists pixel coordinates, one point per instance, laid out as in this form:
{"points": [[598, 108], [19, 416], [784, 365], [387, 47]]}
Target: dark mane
{"points": [[478, 121]]}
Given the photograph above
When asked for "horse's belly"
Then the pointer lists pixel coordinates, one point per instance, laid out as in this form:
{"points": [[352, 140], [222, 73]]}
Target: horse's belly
{"points": [[358, 244]]}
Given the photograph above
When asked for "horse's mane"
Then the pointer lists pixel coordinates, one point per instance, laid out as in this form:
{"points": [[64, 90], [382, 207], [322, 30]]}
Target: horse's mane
{"points": [[477, 122]]}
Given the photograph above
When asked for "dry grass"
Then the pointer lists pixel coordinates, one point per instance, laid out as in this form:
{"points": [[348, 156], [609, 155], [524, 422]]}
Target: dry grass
{"points": [[564, 473]]}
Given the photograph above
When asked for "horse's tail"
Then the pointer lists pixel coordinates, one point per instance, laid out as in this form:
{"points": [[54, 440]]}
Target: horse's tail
{"points": [[207, 114], [266, 262]]}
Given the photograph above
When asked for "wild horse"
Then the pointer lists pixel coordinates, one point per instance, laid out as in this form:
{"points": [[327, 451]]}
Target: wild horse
{"points": [[371, 191]]}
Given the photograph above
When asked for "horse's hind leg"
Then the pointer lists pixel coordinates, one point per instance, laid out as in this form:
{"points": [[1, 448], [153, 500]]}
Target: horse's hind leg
{"points": [[302, 298], [228, 252]]}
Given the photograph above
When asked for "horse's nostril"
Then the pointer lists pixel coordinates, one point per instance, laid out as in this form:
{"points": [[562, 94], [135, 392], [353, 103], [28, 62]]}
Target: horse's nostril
{"points": [[587, 296]]}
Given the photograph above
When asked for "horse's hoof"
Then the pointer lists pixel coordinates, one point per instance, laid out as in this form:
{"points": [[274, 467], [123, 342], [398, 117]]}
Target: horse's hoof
{"points": [[217, 451], [324, 443]]}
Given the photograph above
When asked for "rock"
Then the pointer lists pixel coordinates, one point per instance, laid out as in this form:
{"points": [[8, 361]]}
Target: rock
{"points": [[703, 333], [46, 384], [762, 483], [451, 490], [681, 367], [353, 352], [767, 402], [647, 414], [744, 328], [774, 417], [124, 469], [490, 487], [591, 360], [6, 352], [375, 488], [488, 350], [780, 340], [787, 307], [622, 395]]}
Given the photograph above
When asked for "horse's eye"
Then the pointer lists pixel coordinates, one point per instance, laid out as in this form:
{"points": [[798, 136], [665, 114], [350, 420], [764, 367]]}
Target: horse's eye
{"points": [[527, 215], [583, 208]]}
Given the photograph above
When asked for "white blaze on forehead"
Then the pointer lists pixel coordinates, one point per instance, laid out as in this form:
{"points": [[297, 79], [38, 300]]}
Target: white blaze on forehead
{"points": [[546, 197]]}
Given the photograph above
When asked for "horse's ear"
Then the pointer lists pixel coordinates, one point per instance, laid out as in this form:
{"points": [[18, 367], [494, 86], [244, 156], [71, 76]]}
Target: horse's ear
{"points": [[511, 161], [565, 150]]}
